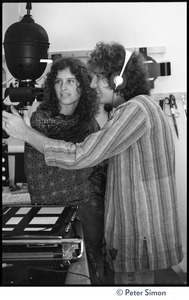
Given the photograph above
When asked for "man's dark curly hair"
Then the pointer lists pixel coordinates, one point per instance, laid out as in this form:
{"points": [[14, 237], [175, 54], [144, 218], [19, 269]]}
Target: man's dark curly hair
{"points": [[109, 58], [87, 106]]}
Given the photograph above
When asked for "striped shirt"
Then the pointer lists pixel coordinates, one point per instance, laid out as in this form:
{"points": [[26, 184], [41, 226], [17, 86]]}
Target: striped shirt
{"points": [[141, 197]]}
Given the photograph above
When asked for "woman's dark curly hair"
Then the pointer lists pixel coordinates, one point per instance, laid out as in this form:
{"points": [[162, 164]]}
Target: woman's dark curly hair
{"points": [[87, 106], [107, 59]]}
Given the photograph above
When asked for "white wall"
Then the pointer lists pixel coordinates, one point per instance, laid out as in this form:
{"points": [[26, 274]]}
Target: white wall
{"points": [[79, 26]]}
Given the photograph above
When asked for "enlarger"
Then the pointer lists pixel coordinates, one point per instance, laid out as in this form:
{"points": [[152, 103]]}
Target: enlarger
{"points": [[41, 245], [26, 54]]}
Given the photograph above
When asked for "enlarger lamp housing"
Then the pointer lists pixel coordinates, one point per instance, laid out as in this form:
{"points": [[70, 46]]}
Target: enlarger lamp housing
{"points": [[25, 43]]}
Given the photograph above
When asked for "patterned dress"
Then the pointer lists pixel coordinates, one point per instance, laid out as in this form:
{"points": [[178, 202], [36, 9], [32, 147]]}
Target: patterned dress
{"points": [[84, 188]]}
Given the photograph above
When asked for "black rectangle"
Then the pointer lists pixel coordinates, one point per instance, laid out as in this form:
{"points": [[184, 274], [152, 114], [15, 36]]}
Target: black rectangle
{"points": [[19, 170], [165, 69], [35, 221]]}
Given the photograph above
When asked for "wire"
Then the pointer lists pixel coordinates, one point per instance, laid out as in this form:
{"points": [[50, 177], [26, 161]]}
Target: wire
{"points": [[7, 80], [42, 77], [79, 274], [19, 9], [75, 231]]}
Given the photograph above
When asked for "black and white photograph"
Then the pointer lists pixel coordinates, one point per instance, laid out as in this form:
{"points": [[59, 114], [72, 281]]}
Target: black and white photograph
{"points": [[94, 150]]}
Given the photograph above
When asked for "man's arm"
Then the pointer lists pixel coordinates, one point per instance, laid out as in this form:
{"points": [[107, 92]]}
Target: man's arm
{"points": [[15, 127], [124, 129]]}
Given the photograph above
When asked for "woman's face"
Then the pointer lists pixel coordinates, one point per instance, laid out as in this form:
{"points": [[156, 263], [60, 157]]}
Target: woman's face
{"points": [[67, 91]]}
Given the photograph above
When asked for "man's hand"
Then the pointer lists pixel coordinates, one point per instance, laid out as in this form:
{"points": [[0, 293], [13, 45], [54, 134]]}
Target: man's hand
{"points": [[19, 128], [14, 125]]}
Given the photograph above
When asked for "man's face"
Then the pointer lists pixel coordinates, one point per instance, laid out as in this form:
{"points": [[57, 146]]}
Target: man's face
{"points": [[101, 85]]}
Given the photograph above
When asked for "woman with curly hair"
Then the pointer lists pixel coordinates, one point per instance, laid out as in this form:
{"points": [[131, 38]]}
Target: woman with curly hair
{"points": [[141, 225], [68, 112]]}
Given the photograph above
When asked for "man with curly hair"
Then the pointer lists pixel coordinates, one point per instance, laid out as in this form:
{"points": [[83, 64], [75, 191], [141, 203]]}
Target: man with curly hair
{"points": [[141, 227]]}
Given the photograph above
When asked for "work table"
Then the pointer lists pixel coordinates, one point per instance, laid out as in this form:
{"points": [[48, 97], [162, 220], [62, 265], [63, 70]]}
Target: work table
{"points": [[78, 272]]}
